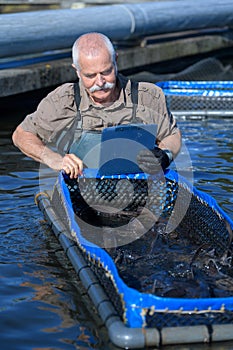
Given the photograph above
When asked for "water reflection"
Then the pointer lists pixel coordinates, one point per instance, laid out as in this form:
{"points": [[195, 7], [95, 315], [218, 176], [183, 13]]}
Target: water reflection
{"points": [[211, 148], [42, 304]]}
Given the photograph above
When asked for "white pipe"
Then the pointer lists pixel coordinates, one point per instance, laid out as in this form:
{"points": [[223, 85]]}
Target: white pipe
{"points": [[39, 31]]}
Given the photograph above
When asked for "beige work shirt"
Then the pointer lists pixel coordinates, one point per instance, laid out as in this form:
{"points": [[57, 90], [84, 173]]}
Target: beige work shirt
{"points": [[57, 111]]}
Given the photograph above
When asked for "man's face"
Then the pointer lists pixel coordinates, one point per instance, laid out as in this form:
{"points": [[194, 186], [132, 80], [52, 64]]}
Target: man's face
{"points": [[98, 76]]}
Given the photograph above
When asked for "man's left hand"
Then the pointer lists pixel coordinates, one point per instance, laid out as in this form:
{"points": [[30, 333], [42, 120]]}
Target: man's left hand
{"points": [[153, 161]]}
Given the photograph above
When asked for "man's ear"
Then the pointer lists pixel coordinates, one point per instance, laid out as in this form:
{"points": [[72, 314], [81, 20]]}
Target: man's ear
{"points": [[75, 70], [116, 56]]}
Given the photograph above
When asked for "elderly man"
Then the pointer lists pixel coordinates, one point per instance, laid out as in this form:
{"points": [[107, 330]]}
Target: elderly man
{"points": [[100, 99]]}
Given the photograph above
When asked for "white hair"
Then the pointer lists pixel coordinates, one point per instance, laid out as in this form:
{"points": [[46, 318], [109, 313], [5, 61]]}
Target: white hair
{"points": [[106, 42]]}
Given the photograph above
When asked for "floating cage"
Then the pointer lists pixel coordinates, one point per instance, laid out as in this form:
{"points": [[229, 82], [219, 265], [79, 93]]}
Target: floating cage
{"points": [[199, 98], [136, 317]]}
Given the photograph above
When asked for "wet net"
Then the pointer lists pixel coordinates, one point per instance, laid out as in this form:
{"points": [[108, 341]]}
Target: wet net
{"points": [[175, 271]]}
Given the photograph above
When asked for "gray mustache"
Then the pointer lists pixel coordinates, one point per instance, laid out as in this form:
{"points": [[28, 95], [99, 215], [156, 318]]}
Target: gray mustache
{"points": [[106, 86]]}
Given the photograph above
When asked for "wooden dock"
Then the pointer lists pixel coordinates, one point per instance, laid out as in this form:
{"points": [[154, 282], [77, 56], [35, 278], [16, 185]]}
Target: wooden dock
{"points": [[51, 73]]}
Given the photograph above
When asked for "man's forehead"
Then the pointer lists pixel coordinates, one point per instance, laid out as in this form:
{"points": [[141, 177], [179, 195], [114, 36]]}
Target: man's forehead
{"points": [[90, 54], [98, 63]]}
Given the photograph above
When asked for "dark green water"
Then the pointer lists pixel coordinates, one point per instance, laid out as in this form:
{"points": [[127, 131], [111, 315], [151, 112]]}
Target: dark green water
{"points": [[42, 305]]}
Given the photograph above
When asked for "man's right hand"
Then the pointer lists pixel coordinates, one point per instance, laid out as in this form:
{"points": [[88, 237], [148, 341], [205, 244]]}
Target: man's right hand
{"points": [[33, 147], [72, 165]]}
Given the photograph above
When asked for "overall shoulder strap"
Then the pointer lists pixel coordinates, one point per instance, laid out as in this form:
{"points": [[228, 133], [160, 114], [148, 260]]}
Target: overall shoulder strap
{"points": [[67, 136], [134, 98], [77, 98]]}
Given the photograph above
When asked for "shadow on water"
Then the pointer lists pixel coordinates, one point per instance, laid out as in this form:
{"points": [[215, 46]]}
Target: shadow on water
{"points": [[43, 305]]}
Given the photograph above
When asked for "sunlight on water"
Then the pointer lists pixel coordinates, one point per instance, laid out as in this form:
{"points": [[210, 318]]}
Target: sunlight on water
{"points": [[210, 144]]}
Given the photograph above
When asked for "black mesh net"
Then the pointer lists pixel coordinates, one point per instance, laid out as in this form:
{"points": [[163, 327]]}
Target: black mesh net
{"points": [[199, 103], [119, 200], [161, 319]]}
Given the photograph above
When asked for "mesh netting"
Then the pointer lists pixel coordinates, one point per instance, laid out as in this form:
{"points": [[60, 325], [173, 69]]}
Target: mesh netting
{"points": [[161, 319], [197, 103], [126, 195], [201, 223], [204, 225]]}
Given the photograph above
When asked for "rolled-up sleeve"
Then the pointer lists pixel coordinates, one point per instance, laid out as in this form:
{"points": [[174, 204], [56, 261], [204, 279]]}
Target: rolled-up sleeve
{"points": [[54, 113], [167, 124]]}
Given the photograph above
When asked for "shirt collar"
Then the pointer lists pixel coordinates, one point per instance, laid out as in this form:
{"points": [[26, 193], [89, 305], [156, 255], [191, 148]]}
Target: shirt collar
{"points": [[124, 98]]}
